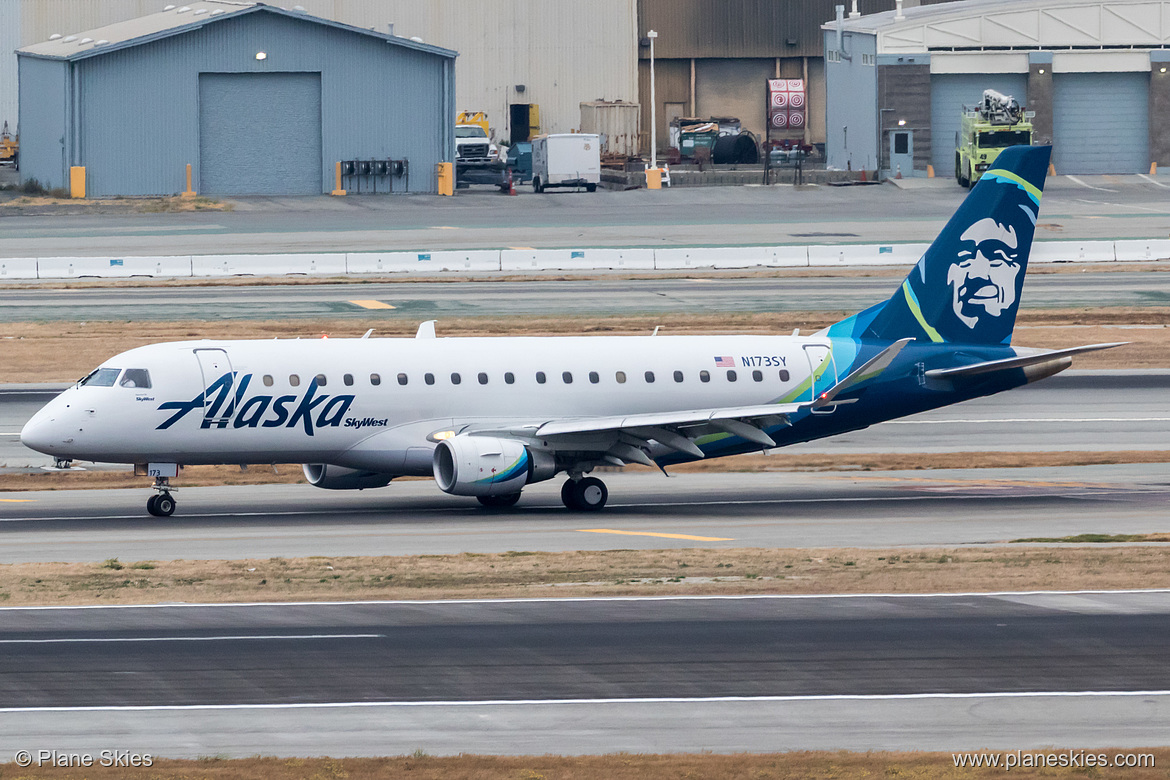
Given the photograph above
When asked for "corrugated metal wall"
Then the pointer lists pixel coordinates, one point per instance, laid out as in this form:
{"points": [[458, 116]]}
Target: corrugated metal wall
{"points": [[139, 110], [1080, 102], [741, 28], [44, 85], [9, 43]]}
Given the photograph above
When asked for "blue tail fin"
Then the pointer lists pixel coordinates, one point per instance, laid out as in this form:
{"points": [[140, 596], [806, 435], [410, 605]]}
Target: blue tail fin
{"points": [[967, 286]]}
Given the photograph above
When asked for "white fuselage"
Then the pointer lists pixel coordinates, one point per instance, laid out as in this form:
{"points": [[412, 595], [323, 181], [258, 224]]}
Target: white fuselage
{"points": [[382, 401]]}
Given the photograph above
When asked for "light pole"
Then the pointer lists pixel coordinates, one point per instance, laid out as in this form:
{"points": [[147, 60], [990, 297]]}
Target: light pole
{"points": [[653, 113]]}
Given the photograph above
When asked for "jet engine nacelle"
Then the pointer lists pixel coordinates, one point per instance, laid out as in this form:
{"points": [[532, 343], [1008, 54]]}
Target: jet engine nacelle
{"points": [[330, 477], [468, 465]]}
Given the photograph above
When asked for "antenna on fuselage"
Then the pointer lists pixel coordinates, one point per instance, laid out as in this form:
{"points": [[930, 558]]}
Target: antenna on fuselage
{"points": [[656, 327], [426, 330], [367, 333]]}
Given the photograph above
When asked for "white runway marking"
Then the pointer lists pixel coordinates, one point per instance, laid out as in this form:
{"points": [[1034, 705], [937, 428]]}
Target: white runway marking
{"points": [[561, 702], [258, 637], [1075, 180], [607, 599], [1151, 180]]}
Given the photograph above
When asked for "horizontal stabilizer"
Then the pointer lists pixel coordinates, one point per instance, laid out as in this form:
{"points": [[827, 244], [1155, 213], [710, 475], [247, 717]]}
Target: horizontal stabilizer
{"points": [[869, 370], [1016, 362]]}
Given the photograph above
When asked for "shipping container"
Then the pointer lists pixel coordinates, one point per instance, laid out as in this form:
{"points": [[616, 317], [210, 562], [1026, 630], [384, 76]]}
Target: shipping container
{"points": [[616, 123]]}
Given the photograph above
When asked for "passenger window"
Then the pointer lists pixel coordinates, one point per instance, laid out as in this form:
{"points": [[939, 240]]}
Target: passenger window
{"points": [[594, 377], [758, 375], [678, 376], [649, 376], [136, 377], [268, 380], [347, 380], [784, 375], [482, 378], [102, 377], [429, 378], [731, 377], [509, 378], [456, 379], [567, 377], [375, 379], [403, 379], [620, 376], [540, 379], [321, 380], [704, 376], [294, 380]]}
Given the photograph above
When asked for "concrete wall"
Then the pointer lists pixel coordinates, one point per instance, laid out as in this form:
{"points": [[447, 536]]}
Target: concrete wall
{"points": [[851, 109], [139, 110]]}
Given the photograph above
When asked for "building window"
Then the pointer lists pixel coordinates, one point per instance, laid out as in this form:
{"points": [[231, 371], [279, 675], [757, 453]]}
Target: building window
{"points": [[649, 377], [901, 143], [482, 378], [594, 377], [731, 375], [567, 377], [347, 380], [375, 379], [429, 378], [704, 376], [758, 375], [402, 379], [540, 378], [456, 379], [868, 59], [620, 376], [509, 378]]}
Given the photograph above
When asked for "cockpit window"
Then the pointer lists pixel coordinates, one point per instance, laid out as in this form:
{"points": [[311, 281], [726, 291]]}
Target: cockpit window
{"points": [[135, 377], [102, 377]]}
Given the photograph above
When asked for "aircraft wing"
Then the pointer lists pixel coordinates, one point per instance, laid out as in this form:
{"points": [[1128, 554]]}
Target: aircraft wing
{"points": [[1020, 361]]}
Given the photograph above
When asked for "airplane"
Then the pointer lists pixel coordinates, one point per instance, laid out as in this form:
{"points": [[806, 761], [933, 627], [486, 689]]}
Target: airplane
{"points": [[488, 416]]}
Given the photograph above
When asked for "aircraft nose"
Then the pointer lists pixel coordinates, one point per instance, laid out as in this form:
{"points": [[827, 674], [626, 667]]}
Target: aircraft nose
{"points": [[44, 434]]}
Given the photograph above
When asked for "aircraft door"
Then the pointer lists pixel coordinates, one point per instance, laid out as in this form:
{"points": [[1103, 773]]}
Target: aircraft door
{"points": [[218, 401], [823, 372]]}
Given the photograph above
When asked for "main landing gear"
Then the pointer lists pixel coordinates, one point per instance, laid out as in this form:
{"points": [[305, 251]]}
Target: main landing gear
{"points": [[163, 504], [584, 495]]}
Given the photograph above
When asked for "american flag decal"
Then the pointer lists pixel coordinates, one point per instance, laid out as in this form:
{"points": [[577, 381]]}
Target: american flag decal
{"points": [[724, 362]]}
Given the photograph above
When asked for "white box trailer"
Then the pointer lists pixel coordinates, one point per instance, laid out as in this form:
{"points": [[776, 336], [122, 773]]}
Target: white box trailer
{"points": [[566, 160]]}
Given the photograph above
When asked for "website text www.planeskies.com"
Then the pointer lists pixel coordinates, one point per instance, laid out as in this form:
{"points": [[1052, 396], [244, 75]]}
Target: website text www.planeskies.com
{"points": [[1049, 759]]}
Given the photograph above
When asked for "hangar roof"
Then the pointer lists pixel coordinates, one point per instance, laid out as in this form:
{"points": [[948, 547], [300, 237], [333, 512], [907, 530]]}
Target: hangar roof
{"points": [[179, 19], [1018, 24]]}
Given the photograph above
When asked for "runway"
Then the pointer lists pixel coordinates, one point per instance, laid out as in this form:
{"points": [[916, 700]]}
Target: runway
{"points": [[418, 301], [792, 509], [592, 675]]}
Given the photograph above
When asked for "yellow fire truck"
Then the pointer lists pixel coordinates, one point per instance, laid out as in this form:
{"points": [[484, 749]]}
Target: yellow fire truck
{"points": [[9, 148], [996, 123]]}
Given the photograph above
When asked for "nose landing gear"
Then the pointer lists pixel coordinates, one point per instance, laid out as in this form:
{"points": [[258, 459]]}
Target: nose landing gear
{"points": [[163, 504], [584, 495]]}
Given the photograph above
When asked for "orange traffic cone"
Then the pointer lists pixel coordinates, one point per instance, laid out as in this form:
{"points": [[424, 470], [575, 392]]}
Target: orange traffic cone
{"points": [[511, 183], [899, 172], [863, 174]]}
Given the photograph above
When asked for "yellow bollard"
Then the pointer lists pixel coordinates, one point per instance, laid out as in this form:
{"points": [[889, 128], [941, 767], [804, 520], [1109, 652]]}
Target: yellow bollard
{"points": [[446, 175], [188, 193], [1051, 169], [77, 182], [929, 171], [1153, 169], [337, 181], [653, 178]]}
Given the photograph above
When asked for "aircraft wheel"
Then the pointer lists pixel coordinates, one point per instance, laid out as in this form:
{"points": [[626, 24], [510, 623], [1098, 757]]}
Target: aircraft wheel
{"points": [[151, 505], [164, 505], [499, 502], [569, 494], [590, 494]]}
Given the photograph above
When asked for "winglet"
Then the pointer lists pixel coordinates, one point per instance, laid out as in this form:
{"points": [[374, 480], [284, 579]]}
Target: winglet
{"points": [[869, 370]]}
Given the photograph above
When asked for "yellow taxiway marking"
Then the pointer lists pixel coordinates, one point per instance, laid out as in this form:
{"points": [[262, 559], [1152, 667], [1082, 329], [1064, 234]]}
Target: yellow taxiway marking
{"points": [[372, 304], [648, 533], [17, 500]]}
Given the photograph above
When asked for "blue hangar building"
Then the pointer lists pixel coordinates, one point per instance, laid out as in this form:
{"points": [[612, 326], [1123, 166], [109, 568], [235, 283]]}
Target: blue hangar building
{"points": [[258, 100]]}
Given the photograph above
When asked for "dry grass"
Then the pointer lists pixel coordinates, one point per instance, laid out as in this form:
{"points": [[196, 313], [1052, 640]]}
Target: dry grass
{"points": [[800, 765], [689, 571], [64, 351], [116, 205], [288, 474]]}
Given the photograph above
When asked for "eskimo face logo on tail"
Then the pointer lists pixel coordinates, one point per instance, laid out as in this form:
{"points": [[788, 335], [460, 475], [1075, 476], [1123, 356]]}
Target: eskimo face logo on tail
{"points": [[984, 278], [222, 405]]}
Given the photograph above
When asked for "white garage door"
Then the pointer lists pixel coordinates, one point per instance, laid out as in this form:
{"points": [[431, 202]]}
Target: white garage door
{"points": [[260, 133], [1101, 122], [949, 92]]}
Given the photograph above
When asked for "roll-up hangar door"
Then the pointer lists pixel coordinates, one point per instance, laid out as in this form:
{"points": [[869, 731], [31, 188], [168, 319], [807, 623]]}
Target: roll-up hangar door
{"points": [[1100, 122], [949, 92], [260, 133]]}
